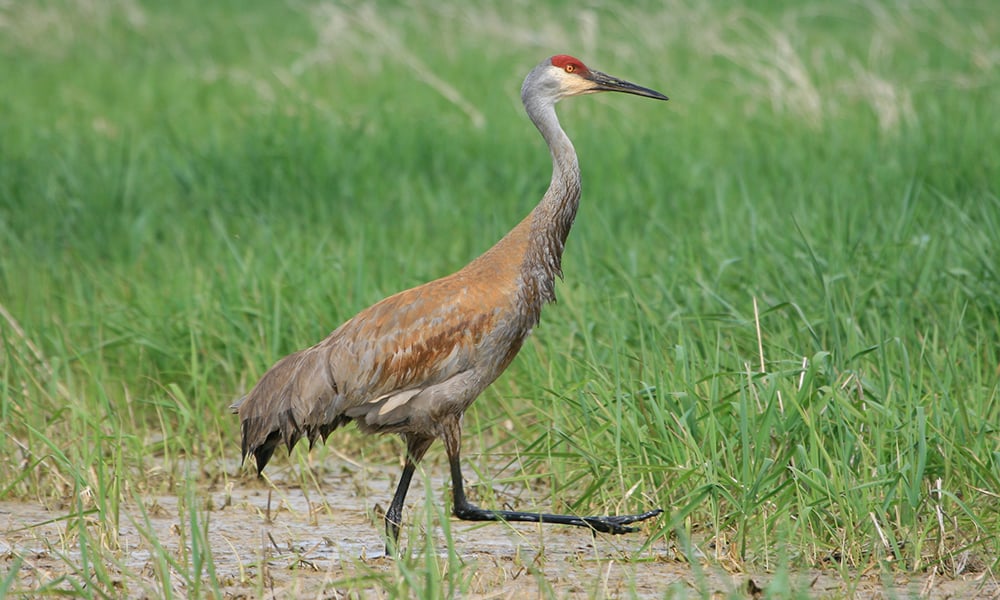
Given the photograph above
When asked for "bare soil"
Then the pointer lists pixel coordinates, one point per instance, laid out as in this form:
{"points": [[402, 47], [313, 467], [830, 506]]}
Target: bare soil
{"points": [[285, 541]]}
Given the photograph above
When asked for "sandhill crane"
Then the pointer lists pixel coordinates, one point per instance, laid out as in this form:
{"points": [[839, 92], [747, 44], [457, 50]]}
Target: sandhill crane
{"points": [[414, 362]]}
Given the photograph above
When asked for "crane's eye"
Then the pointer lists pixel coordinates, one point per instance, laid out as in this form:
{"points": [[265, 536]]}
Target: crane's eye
{"points": [[570, 68]]}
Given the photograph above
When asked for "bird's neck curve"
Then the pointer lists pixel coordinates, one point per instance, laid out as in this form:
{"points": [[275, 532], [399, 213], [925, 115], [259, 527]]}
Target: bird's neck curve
{"points": [[553, 217]]}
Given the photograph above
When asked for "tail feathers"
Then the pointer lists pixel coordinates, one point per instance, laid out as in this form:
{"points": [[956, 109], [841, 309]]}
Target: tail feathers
{"points": [[296, 398]]}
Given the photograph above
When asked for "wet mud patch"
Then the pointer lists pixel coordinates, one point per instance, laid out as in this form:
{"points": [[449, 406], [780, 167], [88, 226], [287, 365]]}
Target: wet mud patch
{"points": [[286, 540]]}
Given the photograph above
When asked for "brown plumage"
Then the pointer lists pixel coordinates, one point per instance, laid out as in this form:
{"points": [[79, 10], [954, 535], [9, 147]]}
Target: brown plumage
{"points": [[412, 363]]}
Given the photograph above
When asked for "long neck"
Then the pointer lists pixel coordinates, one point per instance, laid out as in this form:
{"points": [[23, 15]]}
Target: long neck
{"points": [[552, 219]]}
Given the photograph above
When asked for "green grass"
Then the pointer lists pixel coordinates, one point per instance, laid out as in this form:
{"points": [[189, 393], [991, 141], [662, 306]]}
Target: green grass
{"points": [[781, 313]]}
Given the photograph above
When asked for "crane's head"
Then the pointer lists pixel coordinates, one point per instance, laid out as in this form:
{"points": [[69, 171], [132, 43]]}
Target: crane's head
{"points": [[562, 76]]}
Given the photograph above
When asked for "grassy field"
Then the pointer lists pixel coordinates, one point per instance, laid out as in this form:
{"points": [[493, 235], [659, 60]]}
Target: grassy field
{"points": [[780, 320]]}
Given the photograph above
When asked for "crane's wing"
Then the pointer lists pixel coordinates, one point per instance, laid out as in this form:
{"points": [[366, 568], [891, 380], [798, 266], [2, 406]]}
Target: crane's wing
{"points": [[385, 358], [426, 343]]}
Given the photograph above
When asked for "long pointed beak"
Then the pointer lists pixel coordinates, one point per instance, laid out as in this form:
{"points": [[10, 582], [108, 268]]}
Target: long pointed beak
{"points": [[606, 83]]}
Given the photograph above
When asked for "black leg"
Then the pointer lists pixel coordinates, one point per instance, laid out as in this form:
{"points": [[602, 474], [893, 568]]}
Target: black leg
{"points": [[466, 511], [416, 446]]}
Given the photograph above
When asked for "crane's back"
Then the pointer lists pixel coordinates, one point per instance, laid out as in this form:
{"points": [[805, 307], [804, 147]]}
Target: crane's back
{"points": [[432, 349]]}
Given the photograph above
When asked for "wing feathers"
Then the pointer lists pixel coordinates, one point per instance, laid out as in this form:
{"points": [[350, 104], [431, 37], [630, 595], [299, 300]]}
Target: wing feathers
{"points": [[375, 366], [396, 401], [295, 398]]}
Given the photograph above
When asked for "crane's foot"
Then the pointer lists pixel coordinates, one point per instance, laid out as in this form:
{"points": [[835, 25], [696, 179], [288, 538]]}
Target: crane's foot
{"points": [[615, 525], [618, 524]]}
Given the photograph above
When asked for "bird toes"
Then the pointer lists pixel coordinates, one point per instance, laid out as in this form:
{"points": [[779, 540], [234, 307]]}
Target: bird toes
{"points": [[608, 525], [618, 524]]}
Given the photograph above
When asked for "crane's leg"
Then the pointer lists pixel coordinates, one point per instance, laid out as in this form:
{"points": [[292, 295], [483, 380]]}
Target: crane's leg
{"points": [[416, 447], [466, 511]]}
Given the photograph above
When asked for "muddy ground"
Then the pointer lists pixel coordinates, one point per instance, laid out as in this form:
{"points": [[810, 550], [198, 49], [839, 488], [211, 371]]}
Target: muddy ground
{"points": [[289, 542]]}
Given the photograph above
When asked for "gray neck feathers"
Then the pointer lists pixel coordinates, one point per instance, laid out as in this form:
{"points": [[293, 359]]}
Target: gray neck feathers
{"points": [[552, 219]]}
